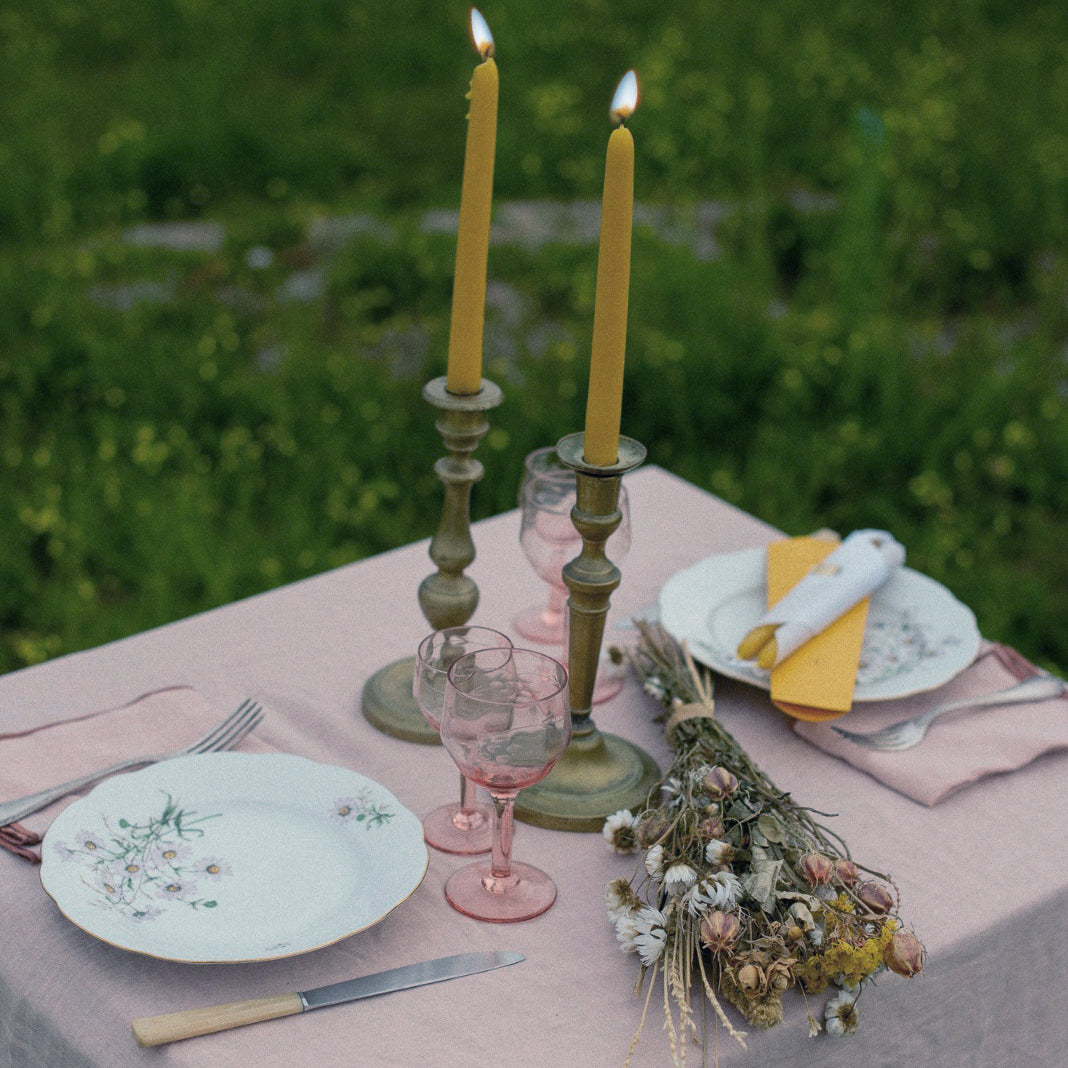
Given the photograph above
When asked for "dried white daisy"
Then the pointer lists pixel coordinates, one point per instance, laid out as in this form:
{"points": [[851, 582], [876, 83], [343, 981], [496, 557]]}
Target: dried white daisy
{"points": [[841, 1014], [650, 927], [679, 878], [620, 831], [718, 852], [654, 861]]}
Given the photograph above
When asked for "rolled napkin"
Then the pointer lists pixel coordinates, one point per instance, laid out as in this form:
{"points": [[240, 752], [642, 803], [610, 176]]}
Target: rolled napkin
{"points": [[860, 565], [153, 723], [963, 747]]}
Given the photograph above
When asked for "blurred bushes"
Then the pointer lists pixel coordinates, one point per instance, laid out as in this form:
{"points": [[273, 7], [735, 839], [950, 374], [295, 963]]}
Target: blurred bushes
{"points": [[873, 330]]}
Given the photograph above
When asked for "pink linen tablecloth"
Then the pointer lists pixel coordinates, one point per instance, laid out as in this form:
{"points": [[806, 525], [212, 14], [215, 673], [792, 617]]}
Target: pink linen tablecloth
{"points": [[982, 876]]}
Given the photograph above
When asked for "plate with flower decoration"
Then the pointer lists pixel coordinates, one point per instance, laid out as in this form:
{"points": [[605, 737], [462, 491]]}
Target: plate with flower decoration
{"points": [[918, 635], [230, 857]]}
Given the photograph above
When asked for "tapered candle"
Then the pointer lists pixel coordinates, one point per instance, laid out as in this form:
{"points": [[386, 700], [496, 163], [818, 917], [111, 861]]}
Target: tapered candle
{"points": [[464, 370], [604, 401]]}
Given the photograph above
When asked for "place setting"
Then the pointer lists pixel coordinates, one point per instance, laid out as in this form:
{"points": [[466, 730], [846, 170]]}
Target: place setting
{"points": [[172, 860], [877, 664]]}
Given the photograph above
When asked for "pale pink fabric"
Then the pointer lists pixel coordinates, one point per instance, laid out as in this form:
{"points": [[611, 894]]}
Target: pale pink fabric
{"points": [[982, 876], [961, 748], [157, 722]]}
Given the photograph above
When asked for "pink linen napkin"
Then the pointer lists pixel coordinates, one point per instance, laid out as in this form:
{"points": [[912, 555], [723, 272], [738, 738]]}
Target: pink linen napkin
{"points": [[153, 723], [963, 747]]}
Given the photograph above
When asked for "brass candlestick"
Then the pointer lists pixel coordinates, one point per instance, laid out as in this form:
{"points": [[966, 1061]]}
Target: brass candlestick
{"points": [[600, 773], [448, 597]]}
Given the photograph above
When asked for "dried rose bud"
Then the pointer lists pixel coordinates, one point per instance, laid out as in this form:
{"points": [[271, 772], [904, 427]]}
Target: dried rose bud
{"points": [[904, 954], [720, 930], [750, 978], [875, 897], [711, 828], [719, 782], [817, 869], [651, 830], [846, 872]]}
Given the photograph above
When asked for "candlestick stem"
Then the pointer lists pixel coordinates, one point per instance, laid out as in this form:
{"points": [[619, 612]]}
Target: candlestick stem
{"points": [[448, 597], [600, 773]]}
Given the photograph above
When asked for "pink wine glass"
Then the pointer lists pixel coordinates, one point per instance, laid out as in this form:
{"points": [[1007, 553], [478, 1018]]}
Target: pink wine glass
{"points": [[463, 827], [549, 540], [506, 722]]}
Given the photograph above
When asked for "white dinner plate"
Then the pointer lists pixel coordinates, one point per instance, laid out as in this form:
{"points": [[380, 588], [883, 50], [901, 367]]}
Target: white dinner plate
{"points": [[232, 857], [918, 635]]}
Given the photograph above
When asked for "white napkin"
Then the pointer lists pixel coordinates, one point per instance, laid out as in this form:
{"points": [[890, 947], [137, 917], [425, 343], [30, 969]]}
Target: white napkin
{"points": [[860, 565]]}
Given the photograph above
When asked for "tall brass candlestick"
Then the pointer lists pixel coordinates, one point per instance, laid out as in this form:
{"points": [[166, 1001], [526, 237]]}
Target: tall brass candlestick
{"points": [[447, 597], [600, 773]]}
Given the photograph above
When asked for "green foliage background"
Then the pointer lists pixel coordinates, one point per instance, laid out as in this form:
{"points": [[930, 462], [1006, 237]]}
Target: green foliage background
{"points": [[872, 331]]}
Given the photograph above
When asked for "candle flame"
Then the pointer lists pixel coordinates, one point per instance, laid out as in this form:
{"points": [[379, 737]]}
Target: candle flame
{"points": [[626, 98], [480, 34]]}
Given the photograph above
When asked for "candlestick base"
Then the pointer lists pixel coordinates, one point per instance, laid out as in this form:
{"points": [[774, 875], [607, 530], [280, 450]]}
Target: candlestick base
{"points": [[388, 704], [447, 597], [599, 774]]}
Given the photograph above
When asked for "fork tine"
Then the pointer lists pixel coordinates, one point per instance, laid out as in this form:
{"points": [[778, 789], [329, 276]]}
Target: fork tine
{"points": [[238, 730], [241, 729], [220, 727], [231, 730]]}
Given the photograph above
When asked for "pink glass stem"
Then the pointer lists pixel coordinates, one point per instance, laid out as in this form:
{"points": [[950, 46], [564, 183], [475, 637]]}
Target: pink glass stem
{"points": [[469, 815], [552, 614], [500, 879]]}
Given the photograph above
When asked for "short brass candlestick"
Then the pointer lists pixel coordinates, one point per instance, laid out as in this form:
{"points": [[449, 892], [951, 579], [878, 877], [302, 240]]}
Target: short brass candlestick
{"points": [[600, 773], [448, 597]]}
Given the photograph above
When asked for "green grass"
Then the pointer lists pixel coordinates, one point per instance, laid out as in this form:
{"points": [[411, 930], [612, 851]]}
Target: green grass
{"points": [[879, 339]]}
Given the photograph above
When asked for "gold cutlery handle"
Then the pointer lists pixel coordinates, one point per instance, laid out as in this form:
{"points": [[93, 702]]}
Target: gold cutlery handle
{"points": [[174, 1026]]}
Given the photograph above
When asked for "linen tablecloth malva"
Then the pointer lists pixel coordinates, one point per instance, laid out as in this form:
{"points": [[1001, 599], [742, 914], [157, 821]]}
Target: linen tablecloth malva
{"points": [[991, 993]]}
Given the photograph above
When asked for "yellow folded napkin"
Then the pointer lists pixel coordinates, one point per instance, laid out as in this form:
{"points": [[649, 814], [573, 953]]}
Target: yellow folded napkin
{"points": [[154, 723], [816, 683], [812, 632]]}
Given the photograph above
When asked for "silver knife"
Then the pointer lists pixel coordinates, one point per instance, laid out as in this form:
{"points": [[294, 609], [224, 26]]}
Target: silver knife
{"points": [[174, 1026]]}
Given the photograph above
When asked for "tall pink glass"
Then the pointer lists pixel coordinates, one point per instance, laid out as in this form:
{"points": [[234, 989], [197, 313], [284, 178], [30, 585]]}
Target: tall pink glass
{"points": [[549, 540], [463, 827], [506, 721]]}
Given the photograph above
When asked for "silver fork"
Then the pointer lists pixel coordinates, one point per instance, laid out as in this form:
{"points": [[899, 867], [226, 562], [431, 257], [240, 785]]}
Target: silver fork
{"points": [[223, 736], [910, 732]]}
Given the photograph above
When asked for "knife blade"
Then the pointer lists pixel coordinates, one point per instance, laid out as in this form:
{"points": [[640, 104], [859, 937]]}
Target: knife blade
{"points": [[175, 1026]]}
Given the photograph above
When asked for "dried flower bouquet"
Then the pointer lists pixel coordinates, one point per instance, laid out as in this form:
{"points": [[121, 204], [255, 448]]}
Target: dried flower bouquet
{"points": [[740, 892]]}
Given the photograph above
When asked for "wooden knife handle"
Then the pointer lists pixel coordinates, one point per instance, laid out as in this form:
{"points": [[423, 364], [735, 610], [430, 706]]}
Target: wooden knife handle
{"points": [[174, 1026]]}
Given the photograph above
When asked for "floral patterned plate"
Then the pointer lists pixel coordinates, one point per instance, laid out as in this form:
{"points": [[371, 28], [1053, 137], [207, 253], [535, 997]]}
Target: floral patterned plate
{"points": [[232, 857], [918, 634]]}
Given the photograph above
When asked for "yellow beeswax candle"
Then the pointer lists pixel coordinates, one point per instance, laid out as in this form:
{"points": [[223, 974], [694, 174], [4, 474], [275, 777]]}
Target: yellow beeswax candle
{"points": [[464, 370], [604, 400]]}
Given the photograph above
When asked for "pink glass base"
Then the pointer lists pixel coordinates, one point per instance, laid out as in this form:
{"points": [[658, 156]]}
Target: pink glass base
{"points": [[606, 687], [452, 830], [528, 893], [541, 625]]}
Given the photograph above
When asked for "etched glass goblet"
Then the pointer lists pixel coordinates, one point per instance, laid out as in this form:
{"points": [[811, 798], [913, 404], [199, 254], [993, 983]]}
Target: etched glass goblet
{"points": [[462, 827], [549, 540], [506, 721]]}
